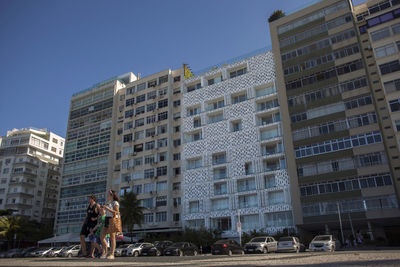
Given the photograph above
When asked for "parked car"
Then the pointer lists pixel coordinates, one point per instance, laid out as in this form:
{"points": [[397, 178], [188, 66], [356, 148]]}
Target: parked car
{"points": [[226, 247], [27, 251], [261, 244], [290, 243], [119, 250], [181, 249], [324, 243], [12, 253], [71, 251], [55, 252], [157, 249], [41, 252], [136, 249]]}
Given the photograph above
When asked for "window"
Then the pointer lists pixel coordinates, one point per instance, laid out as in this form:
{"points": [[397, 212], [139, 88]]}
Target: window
{"points": [[193, 87], [162, 129], [149, 173], [220, 189], [239, 98], [148, 217], [140, 98], [246, 185], [151, 95], [177, 156], [177, 79], [220, 204], [161, 216], [176, 186], [129, 102], [128, 138], [215, 105], [219, 173], [248, 168], [177, 103], [152, 83], [214, 80], [236, 126], [163, 79], [139, 110], [213, 118], [151, 132], [130, 90], [269, 181], [196, 122], [161, 171], [161, 201], [162, 142], [163, 116], [385, 50], [177, 171], [193, 111], [141, 87], [176, 116], [163, 103], [137, 189], [151, 107], [139, 122], [163, 92], [238, 72], [139, 135], [149, 145], [177, 129], [194, 163], [394, 105], [390, 67], [279, 219], [151, 119], [219, 158], [221, 224], [248, 201], [193, 137], [194, 206], [275, 198]]}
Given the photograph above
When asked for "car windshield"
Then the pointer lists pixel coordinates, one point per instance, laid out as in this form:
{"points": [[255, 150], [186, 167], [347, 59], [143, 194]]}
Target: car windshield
{"points": [[258, 239], [177, 245], [137, 245], [70, 247], [322, 238], [221, 241], [287, 238], [124, 246]]}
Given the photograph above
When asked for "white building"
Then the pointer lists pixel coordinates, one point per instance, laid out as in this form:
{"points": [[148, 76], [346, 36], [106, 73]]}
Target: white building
{"points": [[30, 173], [232, 158]]}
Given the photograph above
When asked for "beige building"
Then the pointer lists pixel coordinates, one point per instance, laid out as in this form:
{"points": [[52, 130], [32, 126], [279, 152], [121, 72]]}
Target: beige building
{"points": [[30, 174], [342, 157], [147, 148]]}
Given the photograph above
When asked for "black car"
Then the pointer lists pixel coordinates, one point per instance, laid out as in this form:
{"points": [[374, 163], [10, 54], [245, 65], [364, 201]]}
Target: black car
{"points": [[181, 249], [157, 249], [226, 247]]}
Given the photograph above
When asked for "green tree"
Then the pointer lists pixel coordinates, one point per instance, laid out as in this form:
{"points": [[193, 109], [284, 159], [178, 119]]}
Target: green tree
{"points": [[131, 212], [10, 227], [276, 15]]}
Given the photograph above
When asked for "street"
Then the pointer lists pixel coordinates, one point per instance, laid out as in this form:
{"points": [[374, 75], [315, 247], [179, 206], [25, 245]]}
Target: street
{"points": [[339, 258]]}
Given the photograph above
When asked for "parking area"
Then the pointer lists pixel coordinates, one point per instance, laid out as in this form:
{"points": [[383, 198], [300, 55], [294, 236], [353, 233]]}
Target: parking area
{"points": [[338, 258]]}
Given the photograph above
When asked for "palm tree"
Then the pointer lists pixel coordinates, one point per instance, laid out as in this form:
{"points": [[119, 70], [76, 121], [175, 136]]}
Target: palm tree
{"points": [[131, 211], [10, 226]]}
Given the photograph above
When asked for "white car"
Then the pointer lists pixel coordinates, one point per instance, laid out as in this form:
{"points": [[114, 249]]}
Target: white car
{"points": [[42, 252], [324, 243], [136, 249], [71, 251], [55, 252], [121, 250], [261, 244]]}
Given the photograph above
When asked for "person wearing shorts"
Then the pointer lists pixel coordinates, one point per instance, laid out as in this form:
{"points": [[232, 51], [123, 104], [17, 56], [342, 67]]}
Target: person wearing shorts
{"points": [[92, 212]]}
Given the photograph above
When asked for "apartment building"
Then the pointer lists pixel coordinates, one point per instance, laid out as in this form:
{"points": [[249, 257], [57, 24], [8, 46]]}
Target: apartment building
{"points": [[233, 157], [148, 148], [89, 151], [339, 140], [30, 174]]}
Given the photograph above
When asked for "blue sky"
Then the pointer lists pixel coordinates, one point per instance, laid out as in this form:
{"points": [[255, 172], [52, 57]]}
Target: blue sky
{"points": [[52, 49]]}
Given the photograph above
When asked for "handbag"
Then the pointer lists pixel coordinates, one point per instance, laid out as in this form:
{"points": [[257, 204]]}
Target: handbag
{"points": [[115, 224], [119, 236]]}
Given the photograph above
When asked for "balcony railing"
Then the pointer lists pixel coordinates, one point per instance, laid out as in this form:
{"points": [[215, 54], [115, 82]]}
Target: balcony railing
{"points": [[219, 176], [271, 151], [217, 161]]}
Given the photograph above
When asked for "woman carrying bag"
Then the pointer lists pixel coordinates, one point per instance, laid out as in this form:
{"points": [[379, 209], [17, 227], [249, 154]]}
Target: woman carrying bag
{"points": [[112, 224]]}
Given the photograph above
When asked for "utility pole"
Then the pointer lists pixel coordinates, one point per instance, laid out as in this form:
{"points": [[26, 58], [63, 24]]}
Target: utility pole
{"points": [[351, 225], [340, 221], [239, 228]]}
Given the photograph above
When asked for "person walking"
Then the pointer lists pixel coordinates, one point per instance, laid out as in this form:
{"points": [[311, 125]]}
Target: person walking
{"points": [[112, 210], [92, 212], [95, 233]]}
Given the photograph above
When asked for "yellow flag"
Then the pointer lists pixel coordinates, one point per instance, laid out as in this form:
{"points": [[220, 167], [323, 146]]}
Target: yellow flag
{"points": [[187, 72]]}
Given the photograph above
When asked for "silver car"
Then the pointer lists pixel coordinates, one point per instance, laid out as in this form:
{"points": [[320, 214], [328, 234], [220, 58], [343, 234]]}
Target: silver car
{"points": [[136, 249], [261, 244], [71, 251], [122, 250], [290, 244], [324, 243]]}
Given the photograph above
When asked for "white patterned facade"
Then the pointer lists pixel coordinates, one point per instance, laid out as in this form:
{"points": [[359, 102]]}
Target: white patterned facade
{"points": [[232, 158]]}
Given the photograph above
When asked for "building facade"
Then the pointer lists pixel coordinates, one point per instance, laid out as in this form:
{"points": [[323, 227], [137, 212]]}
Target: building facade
{"points": [[30, 173], [148, 147], [89, 151], [233, 160], [339, 141]]}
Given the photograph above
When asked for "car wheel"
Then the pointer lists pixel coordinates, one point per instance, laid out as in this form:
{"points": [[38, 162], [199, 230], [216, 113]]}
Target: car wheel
{"points": [[158, 253], [69, 255], [136, 254], [332, 249], [180, 253], [195, 253], [297, 249], [242, 252], [265, 250], [229, 252]]}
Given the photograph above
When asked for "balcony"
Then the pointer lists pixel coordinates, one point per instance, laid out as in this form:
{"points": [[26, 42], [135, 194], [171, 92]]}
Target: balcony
{"points": [[264, 106], [272, 151], [247, 187], [219, 160], [219, 176]]}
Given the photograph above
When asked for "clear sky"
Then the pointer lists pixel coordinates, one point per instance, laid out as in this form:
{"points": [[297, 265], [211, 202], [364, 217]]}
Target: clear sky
{"points": [[51, 49]]}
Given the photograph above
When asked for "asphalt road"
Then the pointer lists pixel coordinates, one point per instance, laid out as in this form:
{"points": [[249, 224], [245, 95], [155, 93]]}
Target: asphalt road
{"points": [[339, 258]]}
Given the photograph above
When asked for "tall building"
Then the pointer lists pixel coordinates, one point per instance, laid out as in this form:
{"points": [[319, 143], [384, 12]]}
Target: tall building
{"points": [[339, 141], [89, 151], [148, 146], [233, 159], [30, 173]]}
